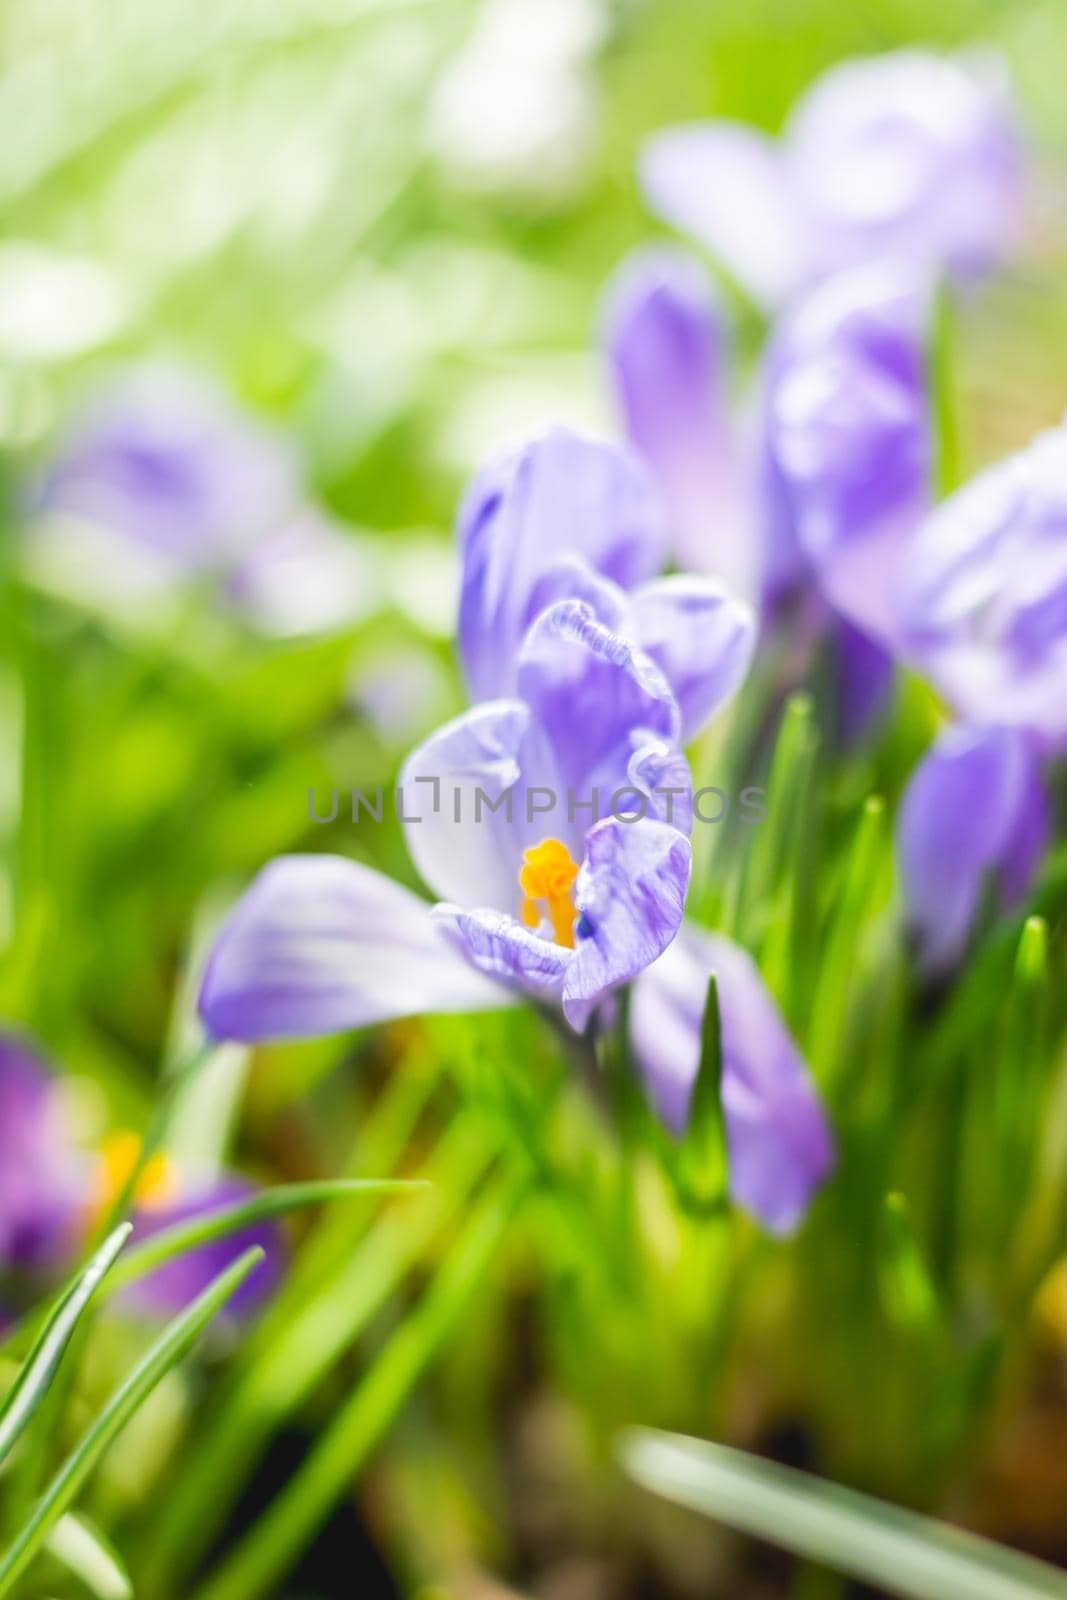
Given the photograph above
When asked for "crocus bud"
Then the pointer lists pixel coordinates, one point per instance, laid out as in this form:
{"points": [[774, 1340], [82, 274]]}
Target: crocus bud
{"points": [[984, 594], [668, 354], [846, 442]]}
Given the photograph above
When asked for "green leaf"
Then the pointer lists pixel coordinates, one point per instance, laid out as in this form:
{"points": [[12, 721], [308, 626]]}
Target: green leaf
{"points": [[163, 1354], [283, 1365], [195, 1231], [263, 1557], [703, 1154], [908, 1291], [835, 1001], [944, 398], [85, 1552], [899, 1551], [42, 1363]]}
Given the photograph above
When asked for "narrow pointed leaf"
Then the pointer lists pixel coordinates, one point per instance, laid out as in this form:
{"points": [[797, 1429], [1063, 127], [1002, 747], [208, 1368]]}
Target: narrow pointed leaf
{"points": [[165, 1353], [42, 1363], [909, 1294], [83, 1551], [266, 1554], [193, 1232], [901, 1552], [703, 1156]]}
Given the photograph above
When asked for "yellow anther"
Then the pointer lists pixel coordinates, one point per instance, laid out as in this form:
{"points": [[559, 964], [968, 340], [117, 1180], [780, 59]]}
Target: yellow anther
{"points": [[156, 1187], [547, 876]]}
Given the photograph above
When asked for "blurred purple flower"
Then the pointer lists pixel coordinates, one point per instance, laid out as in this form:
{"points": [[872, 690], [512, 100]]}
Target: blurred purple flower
{"points": [[779, 1142], [164, 460], [974, 816], [863, 677], [564, 911], [846, 441], [173, 1285], [911, 156], [984, 594], [42, 1183], [668, 353], [843, 447], [52, 1194], [572, 518], [164, 482]]}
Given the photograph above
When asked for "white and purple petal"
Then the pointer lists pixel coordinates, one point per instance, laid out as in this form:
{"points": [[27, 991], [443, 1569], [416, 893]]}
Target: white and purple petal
{"points": [[701, 638], [498, 945], [590, 691], [984, 594], [910, 155], [630, 898], [459, 791], [658, 770], [974, 815], [319, 945], [668, 355], [726, 185], [846, 440], [563, 497]]}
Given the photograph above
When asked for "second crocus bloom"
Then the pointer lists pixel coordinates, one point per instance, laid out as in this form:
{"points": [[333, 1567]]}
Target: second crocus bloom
{"points": [[912, 157]]}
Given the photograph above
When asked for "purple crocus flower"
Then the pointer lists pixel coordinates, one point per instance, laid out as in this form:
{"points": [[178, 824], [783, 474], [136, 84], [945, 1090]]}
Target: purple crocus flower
{"points": [[779, 1143], [164, 483], [983, 594], [164, 461], [843, 449], [42, 1182], [506, 817], [668, 353], [974, 817], [911, 156], [846, 441], [573, 518]]}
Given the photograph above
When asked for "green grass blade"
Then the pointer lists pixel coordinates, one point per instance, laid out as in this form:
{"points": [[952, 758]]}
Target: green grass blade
{"points": [[840, 966], [84, 1552], [42, 1363], [942, 377], [260, 1562], [903, 1553], [702, 1158], [175, 1082], [196, 1231], [165, 1353], [907, 1289], [282, 1374]]}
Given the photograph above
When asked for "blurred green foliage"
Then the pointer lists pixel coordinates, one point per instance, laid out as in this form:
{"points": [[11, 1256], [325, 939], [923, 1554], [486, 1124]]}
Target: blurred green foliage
{"points": [[263, 189]]}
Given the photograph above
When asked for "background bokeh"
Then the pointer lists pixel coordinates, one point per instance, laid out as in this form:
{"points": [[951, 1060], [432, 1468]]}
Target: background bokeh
{"points": [[385, 228]]}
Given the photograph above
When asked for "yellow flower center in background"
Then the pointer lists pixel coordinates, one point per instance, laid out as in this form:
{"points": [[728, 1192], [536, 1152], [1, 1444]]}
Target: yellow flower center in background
{"points": [[547, 878], [157, 1185]]}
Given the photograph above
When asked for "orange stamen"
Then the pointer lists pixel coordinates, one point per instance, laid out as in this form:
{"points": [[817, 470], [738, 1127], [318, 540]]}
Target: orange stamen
{"points": [[547, 877]]}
